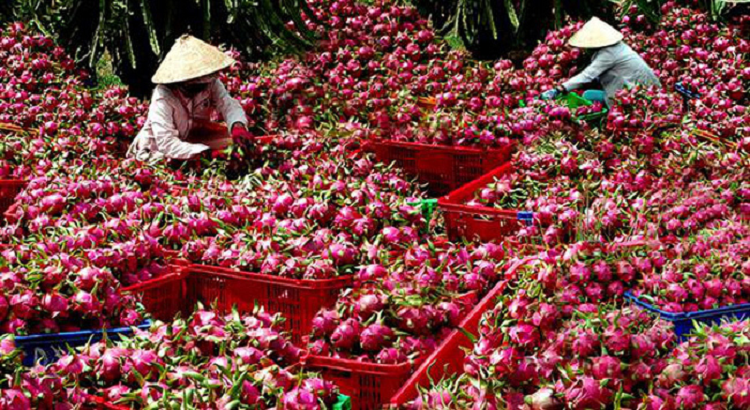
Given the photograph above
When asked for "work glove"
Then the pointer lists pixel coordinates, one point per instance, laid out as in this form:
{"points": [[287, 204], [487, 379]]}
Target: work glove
{"points": [[240, 133], [244, 138], [220, 153], [550, 94]]}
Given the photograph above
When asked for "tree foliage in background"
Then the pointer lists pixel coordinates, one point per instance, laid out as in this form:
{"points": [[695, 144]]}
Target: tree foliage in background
{"points": [[492, 28], [716, 9], [138, 33]]}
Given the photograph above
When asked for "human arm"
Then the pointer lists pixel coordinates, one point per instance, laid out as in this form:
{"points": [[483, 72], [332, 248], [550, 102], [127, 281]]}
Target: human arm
{"points": [[230, 109], [601, 62]]}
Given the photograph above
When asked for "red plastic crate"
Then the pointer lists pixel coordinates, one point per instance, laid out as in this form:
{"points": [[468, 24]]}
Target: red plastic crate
{"points": [[480, 222], [448, 358], [370, 385], [444, 168], [9, 189], [100, 403], [164, 297], [296, 300]]}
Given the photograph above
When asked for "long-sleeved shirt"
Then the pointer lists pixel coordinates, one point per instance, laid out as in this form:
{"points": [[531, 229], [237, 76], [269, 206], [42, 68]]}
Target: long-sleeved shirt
{"points": [[615, 67], [172, 116]]}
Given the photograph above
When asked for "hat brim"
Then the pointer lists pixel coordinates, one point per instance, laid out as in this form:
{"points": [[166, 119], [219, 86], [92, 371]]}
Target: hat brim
{"points": [[595, 34], [190, 58], [166, 79], [592, 43]]}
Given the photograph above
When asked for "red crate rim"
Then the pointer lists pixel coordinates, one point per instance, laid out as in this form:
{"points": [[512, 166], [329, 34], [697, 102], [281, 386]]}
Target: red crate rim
{"points": [[107, 404], [13, 181], [266, 139], [356, 366], [187, 269], [470, 323], [272, 280], [447, 148], [456, 200], [170, 277]]}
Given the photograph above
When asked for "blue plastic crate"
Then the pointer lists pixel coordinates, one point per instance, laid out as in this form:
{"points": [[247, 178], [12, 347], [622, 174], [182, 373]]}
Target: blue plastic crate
{"points": [[683, 322], [526, 217], [47, 348], [685, 92]]}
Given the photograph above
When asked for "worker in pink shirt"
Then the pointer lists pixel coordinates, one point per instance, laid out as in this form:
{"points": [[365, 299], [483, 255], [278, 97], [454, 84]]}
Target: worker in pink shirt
{"points": [[188, 91]]}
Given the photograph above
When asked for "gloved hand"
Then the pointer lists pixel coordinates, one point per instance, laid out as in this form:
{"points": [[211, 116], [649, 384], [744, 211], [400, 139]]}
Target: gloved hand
{"points": [[204, 158], [240, 133], [550, 94], [220, 153]]}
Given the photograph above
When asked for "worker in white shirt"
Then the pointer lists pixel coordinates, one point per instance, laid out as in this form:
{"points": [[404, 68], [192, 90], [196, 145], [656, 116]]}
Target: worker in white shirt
{"points": [[614, 64], [188, 91]]}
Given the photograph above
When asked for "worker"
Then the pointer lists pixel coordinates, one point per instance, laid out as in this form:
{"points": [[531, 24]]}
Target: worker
{"points": [[187, 91], [614, 64]]}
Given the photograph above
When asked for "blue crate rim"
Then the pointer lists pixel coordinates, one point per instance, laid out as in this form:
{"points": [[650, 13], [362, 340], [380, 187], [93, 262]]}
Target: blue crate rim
{"points": [[62, 337], [685, 92], [701, 314], [525, 215]]}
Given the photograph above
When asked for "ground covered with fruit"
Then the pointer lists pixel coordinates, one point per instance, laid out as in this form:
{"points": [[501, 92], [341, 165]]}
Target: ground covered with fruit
{"points": [[649, 204]]}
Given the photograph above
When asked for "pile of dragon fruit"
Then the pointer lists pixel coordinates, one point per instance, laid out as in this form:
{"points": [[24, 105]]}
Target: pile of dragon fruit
{"points": [[401, 312], [611, 357], [650, 202], [233, 360], [552, 343]]}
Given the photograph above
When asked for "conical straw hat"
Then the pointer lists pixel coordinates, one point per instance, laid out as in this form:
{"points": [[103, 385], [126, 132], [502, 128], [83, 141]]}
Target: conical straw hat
{"points": [[595, 34], [188, 59]]}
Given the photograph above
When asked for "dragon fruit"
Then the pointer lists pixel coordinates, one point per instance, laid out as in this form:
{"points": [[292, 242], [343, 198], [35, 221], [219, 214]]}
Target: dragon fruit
{"points": [[134, 370]]}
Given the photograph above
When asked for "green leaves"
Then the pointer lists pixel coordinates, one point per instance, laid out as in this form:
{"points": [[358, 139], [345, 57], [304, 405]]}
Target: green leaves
{"points": [[512, 15], [491, 27], [489, 16], [649, 8], [715, 9], [148, 21], [137, 33]]}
